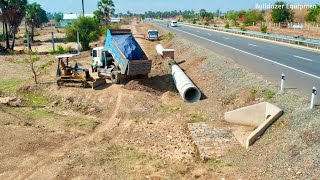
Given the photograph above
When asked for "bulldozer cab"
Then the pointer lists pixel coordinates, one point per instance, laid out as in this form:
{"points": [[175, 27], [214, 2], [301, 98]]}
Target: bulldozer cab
{"points": [[75, 76], [64, 68]]}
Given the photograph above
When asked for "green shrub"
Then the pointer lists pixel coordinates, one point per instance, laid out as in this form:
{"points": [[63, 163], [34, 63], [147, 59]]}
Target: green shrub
{"points": [[194, 22], [88, 30], [52, 52], [243, 28], [235, 23], [268, 94], [69, 49], [60, 50], [206, 23], [227, 26], [253, 91], [264, 29]]}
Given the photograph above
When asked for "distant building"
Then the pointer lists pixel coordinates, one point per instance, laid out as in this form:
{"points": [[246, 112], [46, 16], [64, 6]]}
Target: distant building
{"points": [[51, 23], [114, 20], [68, 18]]}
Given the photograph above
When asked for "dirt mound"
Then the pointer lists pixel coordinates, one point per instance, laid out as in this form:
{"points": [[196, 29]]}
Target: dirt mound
{"points": [[10, 101], [146, 85], [156, 85]]}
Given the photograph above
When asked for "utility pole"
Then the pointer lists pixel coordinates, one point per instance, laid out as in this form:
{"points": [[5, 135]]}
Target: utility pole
{"points": [[52, 35], [82, 8]]}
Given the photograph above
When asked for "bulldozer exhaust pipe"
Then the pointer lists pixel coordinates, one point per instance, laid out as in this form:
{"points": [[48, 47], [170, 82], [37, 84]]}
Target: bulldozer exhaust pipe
{"points": [[188, 91]]}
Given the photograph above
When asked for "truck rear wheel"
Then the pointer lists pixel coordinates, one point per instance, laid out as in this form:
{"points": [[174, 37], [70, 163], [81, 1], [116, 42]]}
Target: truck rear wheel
{"points": [[115, 77]]}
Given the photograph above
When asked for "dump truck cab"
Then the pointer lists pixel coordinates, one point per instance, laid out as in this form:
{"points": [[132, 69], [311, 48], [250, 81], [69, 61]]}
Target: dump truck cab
{"points": [[100, 58], [152, 35]]}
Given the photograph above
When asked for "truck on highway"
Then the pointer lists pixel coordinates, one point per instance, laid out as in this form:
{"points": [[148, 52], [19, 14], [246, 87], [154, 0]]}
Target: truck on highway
{"points": [[120, 57], [174, 23], [152, 35]]}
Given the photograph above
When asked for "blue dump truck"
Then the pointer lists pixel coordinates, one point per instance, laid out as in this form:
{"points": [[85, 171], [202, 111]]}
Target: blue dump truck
{"points": [[120, 57]]}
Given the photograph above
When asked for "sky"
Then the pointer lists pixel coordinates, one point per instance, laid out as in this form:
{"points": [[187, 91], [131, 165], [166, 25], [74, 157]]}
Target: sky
{"points": [[141, 6]]}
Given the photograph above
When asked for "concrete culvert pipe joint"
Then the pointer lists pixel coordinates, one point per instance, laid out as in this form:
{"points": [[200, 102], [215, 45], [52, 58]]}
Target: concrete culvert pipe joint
{"points": [[188, 91]]}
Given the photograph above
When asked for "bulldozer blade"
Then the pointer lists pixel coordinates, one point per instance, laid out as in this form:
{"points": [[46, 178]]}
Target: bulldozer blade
{"points": [[98, 82]]}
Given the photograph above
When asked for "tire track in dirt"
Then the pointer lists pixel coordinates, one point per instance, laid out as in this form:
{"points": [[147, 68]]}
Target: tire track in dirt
{"points": [[109, 123], [61, 152]]}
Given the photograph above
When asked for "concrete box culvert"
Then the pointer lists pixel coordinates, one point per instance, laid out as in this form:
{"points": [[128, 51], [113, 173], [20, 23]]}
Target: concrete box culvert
{"points": [[188, 91], [260, 116], [166, 53]]}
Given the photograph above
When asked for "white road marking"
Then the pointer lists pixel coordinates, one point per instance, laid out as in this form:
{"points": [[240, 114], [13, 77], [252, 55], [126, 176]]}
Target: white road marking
{"points": [[225, 38], [209, 34], [302, 58], [252, 45], [245, 52]]}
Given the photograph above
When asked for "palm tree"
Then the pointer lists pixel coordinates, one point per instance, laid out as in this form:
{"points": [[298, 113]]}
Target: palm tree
{"points": [[12, 13], [107, 7], [82, 8], [203, 13], [35, 16]]}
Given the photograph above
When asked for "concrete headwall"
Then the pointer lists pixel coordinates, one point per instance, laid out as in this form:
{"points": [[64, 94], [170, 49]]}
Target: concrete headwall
{"points": [[249, 116], [260, 115]]}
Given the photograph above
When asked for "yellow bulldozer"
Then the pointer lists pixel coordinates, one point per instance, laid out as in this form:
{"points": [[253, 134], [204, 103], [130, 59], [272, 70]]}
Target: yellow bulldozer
{"points": [[75, 76]]}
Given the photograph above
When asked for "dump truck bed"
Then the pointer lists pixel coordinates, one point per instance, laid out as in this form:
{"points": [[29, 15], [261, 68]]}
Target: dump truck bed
{"points": [[121, 54]]}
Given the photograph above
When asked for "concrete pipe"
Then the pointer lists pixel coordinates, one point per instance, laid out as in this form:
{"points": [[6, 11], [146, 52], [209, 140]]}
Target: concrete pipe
{"points": [[188, 91], [159, 49]]}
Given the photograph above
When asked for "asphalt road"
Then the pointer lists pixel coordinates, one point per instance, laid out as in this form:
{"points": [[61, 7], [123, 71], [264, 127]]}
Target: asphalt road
{"points": [[300, 66]]}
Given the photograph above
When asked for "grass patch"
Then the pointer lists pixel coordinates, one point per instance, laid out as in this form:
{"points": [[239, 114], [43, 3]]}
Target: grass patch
{"points": [[36, 100], [133, 155], [167, 36], [126, 153], [10, 85], [169, 109], [268, 94], [196, 118], [39, 113], [61, 50], [214, 162], [253, 91], [116, 156], [91, 125], [46, 64]]}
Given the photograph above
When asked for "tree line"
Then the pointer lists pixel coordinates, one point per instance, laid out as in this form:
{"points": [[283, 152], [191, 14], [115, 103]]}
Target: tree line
{"points": [[249, 17], [12, 13]]}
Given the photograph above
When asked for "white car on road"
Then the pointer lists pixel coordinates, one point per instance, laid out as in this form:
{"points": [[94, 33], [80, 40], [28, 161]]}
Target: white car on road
{"points": [[174, 24]]}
